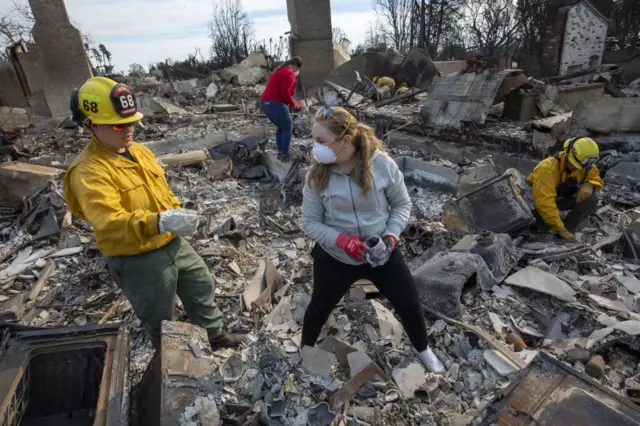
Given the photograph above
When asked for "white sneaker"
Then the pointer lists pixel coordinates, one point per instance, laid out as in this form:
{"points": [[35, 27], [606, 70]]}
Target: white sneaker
{"points": [[431, 361]]}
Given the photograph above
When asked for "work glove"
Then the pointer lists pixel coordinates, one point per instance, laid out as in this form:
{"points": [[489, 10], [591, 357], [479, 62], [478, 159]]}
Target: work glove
{"points": [[584, 192], [390, 242], [568, 236], [297, 107], [353, 246], [179, 221]]}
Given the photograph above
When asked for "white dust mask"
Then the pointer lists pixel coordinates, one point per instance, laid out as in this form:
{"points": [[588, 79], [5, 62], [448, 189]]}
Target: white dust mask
{"points": [[323, 154]]}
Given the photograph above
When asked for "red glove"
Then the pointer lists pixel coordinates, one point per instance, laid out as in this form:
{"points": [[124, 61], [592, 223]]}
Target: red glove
{"points": [[297, 107], [390, 241], [353, 246]]}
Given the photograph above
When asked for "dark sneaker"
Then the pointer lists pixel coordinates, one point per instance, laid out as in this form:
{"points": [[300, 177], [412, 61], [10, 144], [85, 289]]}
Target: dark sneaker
{"points": [[284, 157], [219, 339]]}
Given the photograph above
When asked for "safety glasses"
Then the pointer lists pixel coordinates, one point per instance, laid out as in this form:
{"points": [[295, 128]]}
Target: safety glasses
{"points": [[122, 127], [327, 113]]}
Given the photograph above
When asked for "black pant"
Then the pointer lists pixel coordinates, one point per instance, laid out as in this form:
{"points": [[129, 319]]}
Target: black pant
{"points": [[332, 279], [579, 213]]}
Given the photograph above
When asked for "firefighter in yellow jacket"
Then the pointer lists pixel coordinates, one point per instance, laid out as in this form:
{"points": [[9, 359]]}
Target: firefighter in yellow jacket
{"points": [[119, 187], [567, 181]]}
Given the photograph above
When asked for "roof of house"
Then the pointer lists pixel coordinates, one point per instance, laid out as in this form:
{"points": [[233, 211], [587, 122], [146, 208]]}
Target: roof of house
{"points": [[600, 7]]}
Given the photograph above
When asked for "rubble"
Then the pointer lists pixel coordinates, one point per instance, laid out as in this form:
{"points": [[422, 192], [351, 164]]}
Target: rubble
{"points": [[500, 306]]}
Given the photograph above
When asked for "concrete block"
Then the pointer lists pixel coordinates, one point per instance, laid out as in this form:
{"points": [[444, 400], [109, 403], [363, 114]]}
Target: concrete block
{"points": [[575, 94], [185, 86], [607, 115], [239, 74], [150, 105], [497, 250], [19, 180], [427, 174], [441, 280]]}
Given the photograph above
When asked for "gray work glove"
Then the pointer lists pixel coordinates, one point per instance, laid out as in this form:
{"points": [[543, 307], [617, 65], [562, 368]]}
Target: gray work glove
{"points": [[181, 222]]}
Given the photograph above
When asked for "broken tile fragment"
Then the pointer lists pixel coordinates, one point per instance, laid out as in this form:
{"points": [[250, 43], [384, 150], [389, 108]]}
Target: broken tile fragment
{"points": [[317, 361], [631, 283], [597, 336], [496, 322], [614, 305], [409, 379], [630, 327], [502, 365], [390, 327], [536, 279]]}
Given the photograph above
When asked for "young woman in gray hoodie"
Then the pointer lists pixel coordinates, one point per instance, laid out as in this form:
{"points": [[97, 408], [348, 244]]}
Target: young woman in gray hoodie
{"points": [[355, 191]]}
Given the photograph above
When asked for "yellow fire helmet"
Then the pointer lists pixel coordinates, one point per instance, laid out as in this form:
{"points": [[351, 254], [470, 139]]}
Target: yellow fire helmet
{"points": [[582, 152], [101, 100]]}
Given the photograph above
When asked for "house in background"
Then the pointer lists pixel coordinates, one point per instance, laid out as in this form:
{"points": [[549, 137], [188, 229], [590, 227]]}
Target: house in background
{"points": [[575, 35]]}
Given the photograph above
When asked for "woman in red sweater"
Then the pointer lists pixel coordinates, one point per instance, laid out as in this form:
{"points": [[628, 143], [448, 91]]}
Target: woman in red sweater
{"points": [[276, 100]]}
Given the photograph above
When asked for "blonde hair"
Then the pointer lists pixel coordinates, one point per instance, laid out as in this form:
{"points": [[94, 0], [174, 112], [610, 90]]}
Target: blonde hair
{"points": [[341, 122]]}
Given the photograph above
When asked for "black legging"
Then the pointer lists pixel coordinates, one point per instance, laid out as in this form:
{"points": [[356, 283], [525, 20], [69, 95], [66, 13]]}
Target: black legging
{"points": [[332, 279]]}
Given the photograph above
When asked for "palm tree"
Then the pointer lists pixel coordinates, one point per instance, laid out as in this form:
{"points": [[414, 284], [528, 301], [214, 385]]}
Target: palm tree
{"points": [[97, 56], [105, 53]]}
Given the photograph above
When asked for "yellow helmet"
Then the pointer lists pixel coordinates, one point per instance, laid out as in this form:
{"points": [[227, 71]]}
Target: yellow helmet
{"points": [[101, 100], [582, 152], [375, 79]]}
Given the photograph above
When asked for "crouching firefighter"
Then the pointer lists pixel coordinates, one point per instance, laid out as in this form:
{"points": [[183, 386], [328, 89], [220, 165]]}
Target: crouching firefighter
{"points": [[119, 187], [567, 181]]}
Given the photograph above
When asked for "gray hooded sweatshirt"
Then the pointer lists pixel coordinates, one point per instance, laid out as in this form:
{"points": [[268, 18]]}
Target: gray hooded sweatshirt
{"points": [[341, 207]]}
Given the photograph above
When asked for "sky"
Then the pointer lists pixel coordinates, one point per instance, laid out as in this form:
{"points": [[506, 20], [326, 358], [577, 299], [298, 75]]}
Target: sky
{"points": [[149, 31]]}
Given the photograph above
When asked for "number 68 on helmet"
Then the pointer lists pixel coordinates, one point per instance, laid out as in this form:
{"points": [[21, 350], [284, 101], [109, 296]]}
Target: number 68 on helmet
{"points": [[101, 100]]}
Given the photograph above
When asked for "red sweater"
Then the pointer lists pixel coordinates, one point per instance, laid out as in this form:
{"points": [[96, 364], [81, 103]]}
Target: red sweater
{"points": [[281, 87]]}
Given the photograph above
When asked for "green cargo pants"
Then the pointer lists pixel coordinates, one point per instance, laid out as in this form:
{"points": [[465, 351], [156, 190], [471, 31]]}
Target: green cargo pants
{"points": [[151, 281], [579, 212]]}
